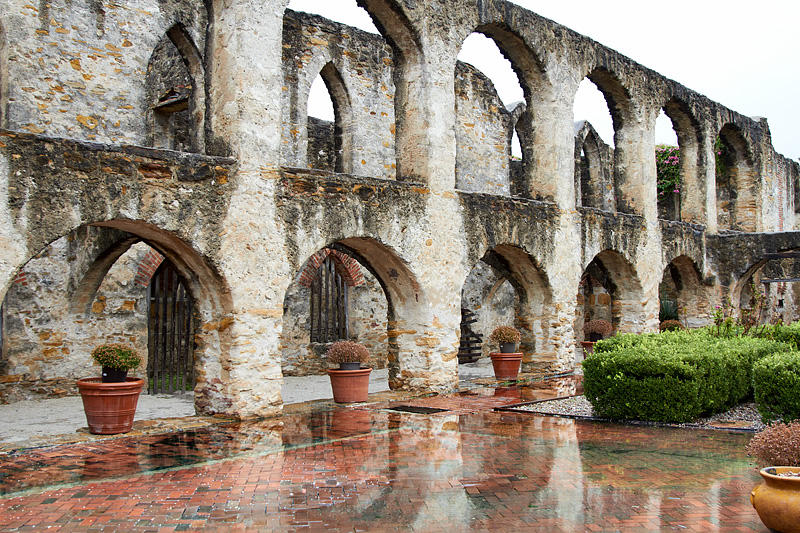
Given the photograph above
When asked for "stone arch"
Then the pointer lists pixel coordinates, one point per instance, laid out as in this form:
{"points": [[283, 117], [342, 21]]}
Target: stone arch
{"points": [[619, 298], [620, 107], [681, 281], [593, 186], [737, 185], [207, 285], [176, 93], [530, 73], [688, 131], [533, 301], [409, 79], [740, 293], [346, 265], [343, 119], [412, 352]]}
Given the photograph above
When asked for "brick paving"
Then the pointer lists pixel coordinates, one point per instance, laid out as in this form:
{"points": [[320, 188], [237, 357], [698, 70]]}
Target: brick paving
{"points": [[366, 468]]}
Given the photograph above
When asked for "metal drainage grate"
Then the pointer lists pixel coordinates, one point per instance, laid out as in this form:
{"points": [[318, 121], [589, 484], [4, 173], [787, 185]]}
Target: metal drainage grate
{"points": [[417, 409]]}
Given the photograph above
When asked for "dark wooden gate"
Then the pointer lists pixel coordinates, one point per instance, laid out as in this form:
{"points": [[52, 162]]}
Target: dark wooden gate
{"points": [[170, 333], [328, 304]]}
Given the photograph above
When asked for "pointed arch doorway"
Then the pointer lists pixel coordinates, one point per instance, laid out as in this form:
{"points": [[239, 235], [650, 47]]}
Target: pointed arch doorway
{"points": [[170, 332]]}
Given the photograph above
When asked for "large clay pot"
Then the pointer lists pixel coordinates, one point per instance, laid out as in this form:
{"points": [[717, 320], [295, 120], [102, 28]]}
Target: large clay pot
{"points": [[506, 365], [588, 347], [350, 386], [110, 407], [777, 499]]}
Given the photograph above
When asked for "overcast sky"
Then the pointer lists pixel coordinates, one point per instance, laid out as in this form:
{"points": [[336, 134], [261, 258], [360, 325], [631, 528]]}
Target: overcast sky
{"points": [[741, 54]]}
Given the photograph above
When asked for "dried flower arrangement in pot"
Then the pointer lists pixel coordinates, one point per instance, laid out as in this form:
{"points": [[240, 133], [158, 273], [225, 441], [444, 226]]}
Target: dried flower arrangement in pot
{"points": [[348, 355], [506, 337], [598, 329], [777, 499], [116, 360], [350, 382]]}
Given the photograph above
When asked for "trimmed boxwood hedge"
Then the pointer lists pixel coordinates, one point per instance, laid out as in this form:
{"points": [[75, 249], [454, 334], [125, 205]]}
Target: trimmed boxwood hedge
{"points": [[789, 333], [674, 376], [776, 385]]}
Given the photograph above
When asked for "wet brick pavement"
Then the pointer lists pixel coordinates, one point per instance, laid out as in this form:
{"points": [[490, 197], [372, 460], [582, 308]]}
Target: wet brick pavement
{"points": [[367, 468]]}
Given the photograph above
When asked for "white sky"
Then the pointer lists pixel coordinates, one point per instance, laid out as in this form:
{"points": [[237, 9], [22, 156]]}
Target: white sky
{"points": [[742, 54]]}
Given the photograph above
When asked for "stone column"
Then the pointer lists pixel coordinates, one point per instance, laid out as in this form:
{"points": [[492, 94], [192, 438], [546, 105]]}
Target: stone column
{"points": [[244, 57]]}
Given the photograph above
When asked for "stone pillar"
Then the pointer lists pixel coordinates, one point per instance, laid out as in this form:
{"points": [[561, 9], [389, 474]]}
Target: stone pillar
{"points": [[708, 174], [245, 74], [438, 251]]}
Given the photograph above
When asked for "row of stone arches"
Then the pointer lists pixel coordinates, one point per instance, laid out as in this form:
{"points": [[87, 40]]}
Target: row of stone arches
{"points": [[63, 313], [612, 174]]}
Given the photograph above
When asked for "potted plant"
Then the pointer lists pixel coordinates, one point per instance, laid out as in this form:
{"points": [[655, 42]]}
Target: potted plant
{"points": [[110, 400], [593, 331], [506, 362], [350, 382], [777, 499]]}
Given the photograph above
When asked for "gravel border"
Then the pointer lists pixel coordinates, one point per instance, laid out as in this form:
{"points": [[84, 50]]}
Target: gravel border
{"points": [[742, 417]]}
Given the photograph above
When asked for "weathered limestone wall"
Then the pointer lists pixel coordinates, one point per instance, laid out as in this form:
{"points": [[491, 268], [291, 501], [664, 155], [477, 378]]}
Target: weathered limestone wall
{"points": [[239, 229], [483, 134], [49, 332], [78, 66]]}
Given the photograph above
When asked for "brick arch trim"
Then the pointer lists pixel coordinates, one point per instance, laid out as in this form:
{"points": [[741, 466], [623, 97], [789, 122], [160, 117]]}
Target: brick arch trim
{"points": [[147, 267], [348, 268]]}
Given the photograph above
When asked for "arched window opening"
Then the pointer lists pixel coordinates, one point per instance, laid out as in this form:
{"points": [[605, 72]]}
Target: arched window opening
{"points": [[329, 123], [609, 290], [329, 304], [668, 169], [487, 91], [737, 207], [507, 287], [91, 287], [593, 169], [334, 297], [682, 296], [590, 105], [175, 92], [603, 100]]}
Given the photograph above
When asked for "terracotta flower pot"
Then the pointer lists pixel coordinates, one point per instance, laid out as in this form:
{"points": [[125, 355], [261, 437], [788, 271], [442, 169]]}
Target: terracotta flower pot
{"points": [[588, 347], [506, 365], [350, 385], [777, 499], [110, 407]]}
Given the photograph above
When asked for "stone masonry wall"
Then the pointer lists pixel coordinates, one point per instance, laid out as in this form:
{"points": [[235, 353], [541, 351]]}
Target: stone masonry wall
{"points": [[48, 337], [239, 229]]}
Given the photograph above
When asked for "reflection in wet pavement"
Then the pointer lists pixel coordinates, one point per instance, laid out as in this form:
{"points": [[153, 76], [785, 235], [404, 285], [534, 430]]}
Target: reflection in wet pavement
{"points": [[371, 468]]}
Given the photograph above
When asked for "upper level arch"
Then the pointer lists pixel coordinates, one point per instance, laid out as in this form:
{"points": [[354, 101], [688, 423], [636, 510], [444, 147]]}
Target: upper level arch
{"points": [[691, 159], [176, 93], [737, 184], [628, 196]]}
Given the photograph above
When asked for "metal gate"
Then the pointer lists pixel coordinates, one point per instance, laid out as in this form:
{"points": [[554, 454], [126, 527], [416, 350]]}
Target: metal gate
{"points": [[170, 332], [329, 316]]}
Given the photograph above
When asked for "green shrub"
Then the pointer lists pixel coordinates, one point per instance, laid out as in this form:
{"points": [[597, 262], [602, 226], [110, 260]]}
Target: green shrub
{"points": [[674, 376], [790, 334], [776, 386]]}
